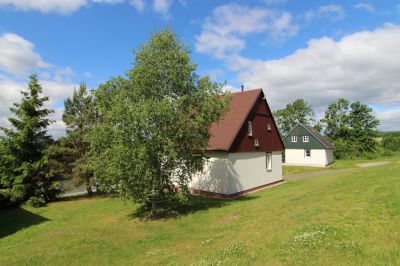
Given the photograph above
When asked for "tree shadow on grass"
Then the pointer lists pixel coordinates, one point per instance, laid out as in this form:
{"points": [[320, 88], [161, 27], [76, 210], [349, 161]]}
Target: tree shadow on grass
{"points": [[96, 195], [194, 204], [15, 219]]}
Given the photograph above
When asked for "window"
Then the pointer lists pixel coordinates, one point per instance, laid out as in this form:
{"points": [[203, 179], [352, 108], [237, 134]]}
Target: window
{"points": [[269, 161], [269, 127], [249, 128], [306, 138], [307, 153], [294, 138], [256, 143]]}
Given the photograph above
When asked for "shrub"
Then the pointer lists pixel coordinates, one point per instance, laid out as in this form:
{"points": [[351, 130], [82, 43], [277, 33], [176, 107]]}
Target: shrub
{"points": [[36, 202], [343, 149], [391, 142], [370, 156]]}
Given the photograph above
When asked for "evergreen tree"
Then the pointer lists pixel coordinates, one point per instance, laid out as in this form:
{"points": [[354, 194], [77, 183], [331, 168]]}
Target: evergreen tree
{"points": [[23, 162], [153, 123], [79, 115]]}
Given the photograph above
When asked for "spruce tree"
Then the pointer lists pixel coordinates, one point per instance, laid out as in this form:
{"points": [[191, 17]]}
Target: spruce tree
{"points": [[23, 162], [79, 115]]}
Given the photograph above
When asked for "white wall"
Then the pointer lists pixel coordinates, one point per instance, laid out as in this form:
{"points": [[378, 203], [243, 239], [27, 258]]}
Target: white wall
{"points": [[229, 173], [319, 157], [329, 156]]}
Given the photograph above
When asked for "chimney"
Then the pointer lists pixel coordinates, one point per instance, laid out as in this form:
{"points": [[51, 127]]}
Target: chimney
{"points": [[242, 88]]}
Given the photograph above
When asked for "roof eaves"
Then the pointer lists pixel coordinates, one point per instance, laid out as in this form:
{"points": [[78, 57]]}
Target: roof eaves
{"points": [[244, 119], [312, 133]]}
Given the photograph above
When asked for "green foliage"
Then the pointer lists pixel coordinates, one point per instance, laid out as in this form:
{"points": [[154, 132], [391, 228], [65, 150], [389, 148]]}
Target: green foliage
{"points": [[363, 127], [36, 202], [23, 161], [298, 112], [351, 127], [343, 149], [337, 120], [152, 123], [391, 141], [79, 115]]}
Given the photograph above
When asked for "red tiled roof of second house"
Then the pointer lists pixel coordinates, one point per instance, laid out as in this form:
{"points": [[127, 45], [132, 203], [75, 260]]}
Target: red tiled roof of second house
{"points": [[223, 132]]}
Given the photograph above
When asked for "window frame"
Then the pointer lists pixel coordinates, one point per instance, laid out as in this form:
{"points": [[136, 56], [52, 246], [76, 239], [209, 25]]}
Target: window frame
{"points": [[249, 128], [294, 138], [268, 161], [306, 139]]}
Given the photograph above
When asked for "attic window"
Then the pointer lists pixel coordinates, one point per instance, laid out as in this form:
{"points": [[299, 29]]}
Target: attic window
{"points": [[269, 127], [249, 128], [306, 138], [294, 138]]}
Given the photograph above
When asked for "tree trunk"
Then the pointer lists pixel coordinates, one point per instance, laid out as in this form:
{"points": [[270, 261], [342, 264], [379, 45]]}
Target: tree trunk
{"points": [[153, 208], [89, 188]]}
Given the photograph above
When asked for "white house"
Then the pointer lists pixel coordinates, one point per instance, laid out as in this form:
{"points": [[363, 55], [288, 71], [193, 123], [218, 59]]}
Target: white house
{"points": [[244, 150], [305, 146]]}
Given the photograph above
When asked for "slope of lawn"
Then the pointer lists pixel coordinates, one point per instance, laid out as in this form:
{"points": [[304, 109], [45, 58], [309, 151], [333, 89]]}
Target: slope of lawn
{"points": [[337, 165], [351, 218]]}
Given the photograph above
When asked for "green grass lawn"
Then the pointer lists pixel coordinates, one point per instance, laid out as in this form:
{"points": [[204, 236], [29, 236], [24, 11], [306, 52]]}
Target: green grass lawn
{"points": [[337, 165], [351, 218]]}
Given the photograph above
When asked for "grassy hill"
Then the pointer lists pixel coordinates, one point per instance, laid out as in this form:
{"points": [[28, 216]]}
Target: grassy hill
{"points": [[352, 218]]}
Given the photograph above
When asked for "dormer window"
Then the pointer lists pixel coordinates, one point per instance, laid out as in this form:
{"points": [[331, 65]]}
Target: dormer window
{"points": [[294, 138], [249, 128]]}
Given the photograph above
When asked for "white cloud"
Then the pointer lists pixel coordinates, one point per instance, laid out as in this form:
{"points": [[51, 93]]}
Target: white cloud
{"points": [[57, 91], [17, 55], [57, 128], [17, 59], [45, 6], [334, 12], [361, 66], [138, 5], [65, 7], [389, 120], [162, 6], [223, 33], [365, 6]]}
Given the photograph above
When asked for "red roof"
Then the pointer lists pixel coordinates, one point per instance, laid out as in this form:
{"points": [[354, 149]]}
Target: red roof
{"points": [[223, 132]]}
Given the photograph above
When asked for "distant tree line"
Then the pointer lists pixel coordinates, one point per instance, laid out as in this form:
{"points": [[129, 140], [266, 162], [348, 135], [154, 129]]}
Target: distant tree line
{"points": [[141, 137], [350, 126]]}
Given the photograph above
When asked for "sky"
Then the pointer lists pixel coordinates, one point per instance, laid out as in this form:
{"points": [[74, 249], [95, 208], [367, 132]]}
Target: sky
{"points": [[314, 50]]}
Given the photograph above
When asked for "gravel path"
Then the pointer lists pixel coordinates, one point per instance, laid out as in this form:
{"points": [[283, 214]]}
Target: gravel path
{"points": [[365, 165]]}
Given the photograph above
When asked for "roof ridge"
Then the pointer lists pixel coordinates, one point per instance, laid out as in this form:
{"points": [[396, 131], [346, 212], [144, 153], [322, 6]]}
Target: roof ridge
{"points": [[250, 90], [317, 135]]}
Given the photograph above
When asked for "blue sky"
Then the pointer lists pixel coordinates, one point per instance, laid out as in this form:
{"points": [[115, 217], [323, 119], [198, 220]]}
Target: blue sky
{"points": [[316, 50]]}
